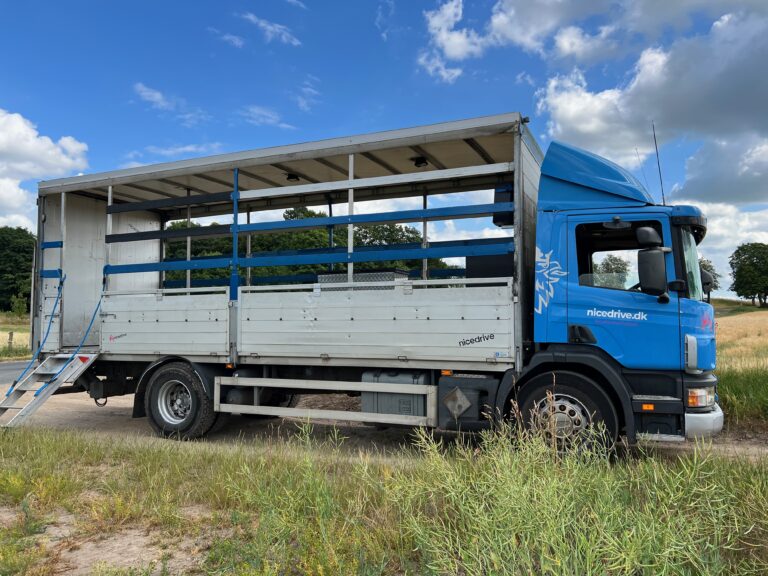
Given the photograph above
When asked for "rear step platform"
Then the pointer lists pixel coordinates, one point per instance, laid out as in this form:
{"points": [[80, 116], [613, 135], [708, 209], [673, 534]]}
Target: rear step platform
{"points": [[55, 371]]}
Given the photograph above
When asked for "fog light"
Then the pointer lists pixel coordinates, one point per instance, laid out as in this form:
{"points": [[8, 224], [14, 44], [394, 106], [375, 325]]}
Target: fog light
{"points": [[701, 397]]}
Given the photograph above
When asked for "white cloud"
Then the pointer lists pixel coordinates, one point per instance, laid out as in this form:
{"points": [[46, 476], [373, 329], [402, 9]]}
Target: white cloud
{"points": [[522, 23], [597, 121], [651, 17], [436, 67], [572, 42], [188, 115], [231, 39], [557, 27], [154, 97], [17, 220], [529, 24], [26, 155], [308, 94], [453, 44], [263, 116], [704, 86], [297, 3], [735, 169], [272, 30], [184, 150], [524, 78], [385, 11], [727, 227], [12, 197]]}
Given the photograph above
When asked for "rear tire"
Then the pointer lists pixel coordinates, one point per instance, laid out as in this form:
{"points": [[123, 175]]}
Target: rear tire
{"points": [[177, 403], [580, 409]]}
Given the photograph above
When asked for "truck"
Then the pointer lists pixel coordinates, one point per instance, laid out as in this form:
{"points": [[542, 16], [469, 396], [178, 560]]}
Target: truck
{"points": [[534, 320]]}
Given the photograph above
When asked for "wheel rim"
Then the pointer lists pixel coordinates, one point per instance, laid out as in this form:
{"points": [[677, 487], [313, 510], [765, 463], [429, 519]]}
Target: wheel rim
{"points": [[174, 401], [562, 417]]}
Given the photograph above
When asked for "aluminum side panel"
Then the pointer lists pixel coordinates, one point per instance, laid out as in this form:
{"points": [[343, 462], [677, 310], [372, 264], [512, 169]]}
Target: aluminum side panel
{"points": [[417, 324], [196, 324]]}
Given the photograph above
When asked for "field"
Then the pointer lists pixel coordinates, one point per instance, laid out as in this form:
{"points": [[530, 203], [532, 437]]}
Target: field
{"points": [[742, 366], [20, 328], [309, 502]]}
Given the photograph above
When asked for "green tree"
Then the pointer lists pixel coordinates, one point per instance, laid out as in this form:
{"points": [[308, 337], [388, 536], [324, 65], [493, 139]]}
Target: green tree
{"points": [[614, 270], [707, 265], [313, 238], [749, 270], [17, 249]]}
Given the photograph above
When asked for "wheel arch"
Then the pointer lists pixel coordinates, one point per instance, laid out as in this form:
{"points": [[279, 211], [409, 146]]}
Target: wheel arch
{"points": [[204, 372], [585, 360]]}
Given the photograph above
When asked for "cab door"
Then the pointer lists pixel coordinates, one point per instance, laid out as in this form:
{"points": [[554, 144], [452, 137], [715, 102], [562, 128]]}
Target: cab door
{"points": [[606, 308]]}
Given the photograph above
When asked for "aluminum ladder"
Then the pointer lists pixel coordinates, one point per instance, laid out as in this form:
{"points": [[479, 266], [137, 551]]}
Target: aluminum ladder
{"points": [[52, 373]]}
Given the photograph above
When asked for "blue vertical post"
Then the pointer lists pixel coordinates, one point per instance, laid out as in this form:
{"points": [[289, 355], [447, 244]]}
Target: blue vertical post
{"points": [[234, 278]]}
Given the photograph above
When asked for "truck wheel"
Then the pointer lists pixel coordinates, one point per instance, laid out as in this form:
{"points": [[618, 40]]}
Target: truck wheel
{"points": [[578, 409], [177, 403]]}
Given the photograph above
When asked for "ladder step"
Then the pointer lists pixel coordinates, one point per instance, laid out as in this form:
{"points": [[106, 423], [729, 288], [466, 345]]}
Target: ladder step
{"points": [[30, 386], [12, 408]]}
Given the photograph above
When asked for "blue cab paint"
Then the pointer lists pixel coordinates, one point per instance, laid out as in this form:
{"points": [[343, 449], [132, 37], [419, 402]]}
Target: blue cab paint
{"points": [[640, 331]]}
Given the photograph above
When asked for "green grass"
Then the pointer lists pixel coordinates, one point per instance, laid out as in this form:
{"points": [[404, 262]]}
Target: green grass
{"points": [[744, 395], [301, 506], [727, 307]]}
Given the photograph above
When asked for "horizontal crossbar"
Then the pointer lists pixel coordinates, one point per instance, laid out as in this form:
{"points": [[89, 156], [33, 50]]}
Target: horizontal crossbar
{"points": [[191, 200], [201, 264], [326, 385], [452, 249], [449, 249], [50, 273], [445, 213], [451, 212]]}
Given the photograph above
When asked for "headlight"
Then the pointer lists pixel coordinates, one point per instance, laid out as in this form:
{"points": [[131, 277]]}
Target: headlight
{"points": [[701, 397]]}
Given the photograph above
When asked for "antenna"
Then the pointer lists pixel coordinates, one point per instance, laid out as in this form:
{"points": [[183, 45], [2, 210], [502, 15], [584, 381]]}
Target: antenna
{"points": [[658, 163]]}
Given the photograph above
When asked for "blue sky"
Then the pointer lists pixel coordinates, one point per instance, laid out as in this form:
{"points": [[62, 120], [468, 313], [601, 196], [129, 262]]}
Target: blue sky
{"points": [[90, 86]]}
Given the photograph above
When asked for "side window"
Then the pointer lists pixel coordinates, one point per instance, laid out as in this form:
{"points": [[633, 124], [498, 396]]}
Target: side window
{"points": [[607, 254]]}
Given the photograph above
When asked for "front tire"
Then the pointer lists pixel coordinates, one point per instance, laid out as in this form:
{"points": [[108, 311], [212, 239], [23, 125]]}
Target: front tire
{"points": [[568, 408], [177, 404]]}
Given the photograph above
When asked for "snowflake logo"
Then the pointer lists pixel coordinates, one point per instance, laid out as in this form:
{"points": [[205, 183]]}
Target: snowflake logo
{"points": [[548, 273]]}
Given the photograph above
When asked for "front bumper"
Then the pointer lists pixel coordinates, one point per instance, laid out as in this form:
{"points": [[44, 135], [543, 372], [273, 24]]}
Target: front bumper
{"points": [[703, 424]]}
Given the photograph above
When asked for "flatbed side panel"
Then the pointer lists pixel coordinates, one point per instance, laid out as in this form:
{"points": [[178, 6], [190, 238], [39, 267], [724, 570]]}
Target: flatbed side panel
{"points": [[196, 324], [449, 324]]}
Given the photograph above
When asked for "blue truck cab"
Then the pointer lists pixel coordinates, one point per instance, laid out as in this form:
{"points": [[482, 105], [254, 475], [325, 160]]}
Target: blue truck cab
{"points": [[618, 290]]}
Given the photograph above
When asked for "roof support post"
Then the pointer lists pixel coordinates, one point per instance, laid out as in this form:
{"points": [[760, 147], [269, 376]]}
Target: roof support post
{"points": [[234, 278], [330, 229], [161, 254], [189, 240], [424, 242], [351, 227], [248, 248], [63, 231], [108, 246]]}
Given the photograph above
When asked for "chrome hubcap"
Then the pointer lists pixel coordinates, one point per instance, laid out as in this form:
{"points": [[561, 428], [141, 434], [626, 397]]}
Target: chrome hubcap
{"points": [[174, 401], [561, 417]]}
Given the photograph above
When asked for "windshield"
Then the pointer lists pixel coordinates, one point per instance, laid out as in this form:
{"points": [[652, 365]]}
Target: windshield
{"points": [[691, 263]]}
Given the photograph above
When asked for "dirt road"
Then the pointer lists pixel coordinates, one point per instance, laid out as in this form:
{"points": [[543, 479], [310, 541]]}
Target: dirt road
{"points": [[78, 412]]}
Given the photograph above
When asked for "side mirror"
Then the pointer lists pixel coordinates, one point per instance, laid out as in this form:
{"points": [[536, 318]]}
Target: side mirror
{"points": [[652, 270], [648, 237], [707, 281]]}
